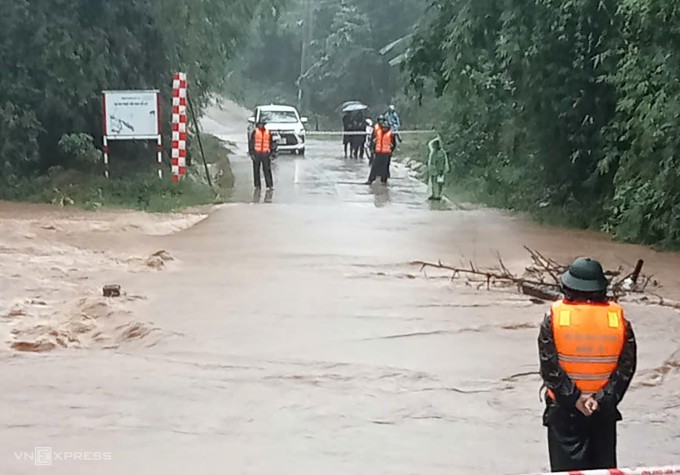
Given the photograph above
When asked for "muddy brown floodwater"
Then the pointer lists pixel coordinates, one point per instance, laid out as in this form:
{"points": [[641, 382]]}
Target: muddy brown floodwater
{"points": [[287, 333]]}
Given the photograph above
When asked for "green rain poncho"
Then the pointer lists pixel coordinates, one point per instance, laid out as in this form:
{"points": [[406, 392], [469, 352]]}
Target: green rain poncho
{"points": [[438, 167]]}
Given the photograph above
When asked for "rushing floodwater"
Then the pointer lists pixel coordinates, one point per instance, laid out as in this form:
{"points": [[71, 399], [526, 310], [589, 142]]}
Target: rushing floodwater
{"points": [[292, 336]]}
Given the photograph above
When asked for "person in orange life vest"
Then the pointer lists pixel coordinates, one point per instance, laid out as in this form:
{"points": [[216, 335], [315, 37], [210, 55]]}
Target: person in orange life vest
{"points": [[371, 141], [385, 123], [383, 143], [260, 148], [588, 356]]}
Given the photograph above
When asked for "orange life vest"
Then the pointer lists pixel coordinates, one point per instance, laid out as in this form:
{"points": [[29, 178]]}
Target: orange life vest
{"points": [[262, 140], [383, 140], [377, 135], [589, 339]]}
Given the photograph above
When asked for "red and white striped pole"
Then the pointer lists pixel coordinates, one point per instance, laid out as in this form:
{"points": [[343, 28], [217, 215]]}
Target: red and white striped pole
{"points": [[669, 470], [179, 126], [159, 140], [105, 138]]}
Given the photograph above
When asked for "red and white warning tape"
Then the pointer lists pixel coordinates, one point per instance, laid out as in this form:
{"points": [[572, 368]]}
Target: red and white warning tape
{"points": [[670, 470], [179, 126]]}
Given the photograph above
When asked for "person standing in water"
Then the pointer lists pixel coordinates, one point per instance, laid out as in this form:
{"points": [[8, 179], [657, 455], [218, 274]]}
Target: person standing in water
{"points": [[438, 168], [393, 119], [383, 145], [588, 356], [261, 146]]}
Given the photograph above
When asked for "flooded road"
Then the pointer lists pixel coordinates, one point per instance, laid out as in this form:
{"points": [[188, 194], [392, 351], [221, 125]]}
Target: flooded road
{"points": [[289, 334]]}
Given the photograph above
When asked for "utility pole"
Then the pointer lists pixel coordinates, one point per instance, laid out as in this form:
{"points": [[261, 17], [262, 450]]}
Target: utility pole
{"points": [[310, 31], [306, 39]]}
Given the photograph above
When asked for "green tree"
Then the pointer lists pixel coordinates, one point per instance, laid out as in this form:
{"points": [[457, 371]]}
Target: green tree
{"points": [[348, 68], [569, 106], [56, 56], [643, 140], [343, 55]]}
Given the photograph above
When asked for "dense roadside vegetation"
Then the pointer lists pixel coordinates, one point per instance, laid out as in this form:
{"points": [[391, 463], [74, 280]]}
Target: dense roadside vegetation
{"points": [[56, 56], [569, 109], [353, 49]]}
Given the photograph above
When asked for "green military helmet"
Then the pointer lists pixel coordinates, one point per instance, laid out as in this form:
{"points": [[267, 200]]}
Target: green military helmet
{"points": [[585, 275]]}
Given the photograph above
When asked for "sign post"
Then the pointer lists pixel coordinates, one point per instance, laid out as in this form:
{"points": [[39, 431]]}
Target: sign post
{"points": [[132, 115]]}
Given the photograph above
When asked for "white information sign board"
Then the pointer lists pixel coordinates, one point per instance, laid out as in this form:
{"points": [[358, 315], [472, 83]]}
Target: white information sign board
{"points": [[131, 115]]}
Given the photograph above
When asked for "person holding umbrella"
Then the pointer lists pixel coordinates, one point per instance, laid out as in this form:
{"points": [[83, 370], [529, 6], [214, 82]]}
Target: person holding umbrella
{"points": [[346, 126], [357, 141], [353, 121]]}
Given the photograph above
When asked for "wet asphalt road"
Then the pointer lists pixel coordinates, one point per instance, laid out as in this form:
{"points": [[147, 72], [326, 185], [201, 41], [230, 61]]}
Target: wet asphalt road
{"points": [[324, 177]]}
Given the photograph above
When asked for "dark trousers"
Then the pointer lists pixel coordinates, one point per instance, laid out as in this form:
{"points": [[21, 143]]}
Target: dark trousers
{"points": [[356, 142], [263, 161], [582, 444], [346, 142], [380, 167]]}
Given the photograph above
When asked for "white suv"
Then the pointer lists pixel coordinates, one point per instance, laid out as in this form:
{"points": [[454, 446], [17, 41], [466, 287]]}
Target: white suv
{"points": [[286, 126]]}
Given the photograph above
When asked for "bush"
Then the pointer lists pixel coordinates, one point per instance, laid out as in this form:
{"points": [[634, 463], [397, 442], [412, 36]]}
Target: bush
{"points": [[144, 192], [79, 150]]}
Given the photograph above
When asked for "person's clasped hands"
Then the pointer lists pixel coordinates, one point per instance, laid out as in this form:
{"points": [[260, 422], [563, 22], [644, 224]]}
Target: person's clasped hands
{"points": [[587, 405]]}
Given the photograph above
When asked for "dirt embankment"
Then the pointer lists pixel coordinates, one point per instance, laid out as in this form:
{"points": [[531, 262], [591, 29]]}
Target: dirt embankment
{"points": [[54, 264]]}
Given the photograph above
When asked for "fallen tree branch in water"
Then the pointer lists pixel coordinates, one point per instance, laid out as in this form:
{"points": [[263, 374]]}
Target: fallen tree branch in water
{"points": [[541, 280], [657, 300], [490, 276], [543, 264], [540, 293]]}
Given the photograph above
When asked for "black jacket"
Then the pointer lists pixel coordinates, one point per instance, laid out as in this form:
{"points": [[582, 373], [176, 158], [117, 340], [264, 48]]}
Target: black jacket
{"points": [[346, 121], [564, 388]]}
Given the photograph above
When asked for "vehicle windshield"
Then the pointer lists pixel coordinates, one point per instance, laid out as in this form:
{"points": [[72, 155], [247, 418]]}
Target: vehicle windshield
{"points": [[286, 117]]}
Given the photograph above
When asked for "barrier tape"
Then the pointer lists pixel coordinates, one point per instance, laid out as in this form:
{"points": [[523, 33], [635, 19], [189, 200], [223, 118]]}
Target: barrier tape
{"points": [[340, 132], [670, 470]]}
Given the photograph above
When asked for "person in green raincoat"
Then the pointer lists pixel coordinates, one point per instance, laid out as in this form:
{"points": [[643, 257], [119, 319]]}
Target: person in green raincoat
{"points": [[438, 168]]}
